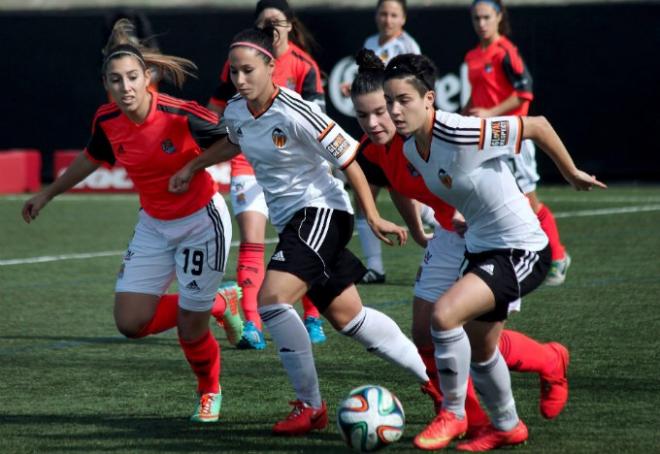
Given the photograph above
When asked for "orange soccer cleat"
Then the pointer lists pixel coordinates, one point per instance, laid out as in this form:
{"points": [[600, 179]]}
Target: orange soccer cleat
{"points": [[490, 438], [554, 389], [441, 431], [302, 419]]}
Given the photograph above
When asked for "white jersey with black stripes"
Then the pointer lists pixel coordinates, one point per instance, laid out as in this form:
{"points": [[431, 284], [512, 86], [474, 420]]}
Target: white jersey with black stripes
{"points": [[291, 146], [467, 168], [402, 44]]}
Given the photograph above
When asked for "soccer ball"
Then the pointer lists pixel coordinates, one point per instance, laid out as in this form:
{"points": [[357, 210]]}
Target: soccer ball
{"points": [[370, 418]]}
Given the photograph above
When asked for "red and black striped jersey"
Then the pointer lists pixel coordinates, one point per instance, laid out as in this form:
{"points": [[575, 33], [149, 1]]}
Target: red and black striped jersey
{"points": [[174, 132], [496, 72]]}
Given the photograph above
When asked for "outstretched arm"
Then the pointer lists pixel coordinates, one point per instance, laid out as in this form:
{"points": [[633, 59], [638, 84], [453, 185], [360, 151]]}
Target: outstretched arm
{"points": [[380, 226], [541, 131], [221, 150], [79, 169]]}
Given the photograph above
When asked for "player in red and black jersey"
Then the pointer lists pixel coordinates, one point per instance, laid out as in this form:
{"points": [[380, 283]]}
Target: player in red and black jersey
{"points": [[182, 236], [502, 85], [294, 69]]}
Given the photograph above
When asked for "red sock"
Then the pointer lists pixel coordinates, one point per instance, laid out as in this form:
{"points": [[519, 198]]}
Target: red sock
{"points": [[524, 354], [549, 226], [309, 309], [164, 318], [428, 357], [250, 275], [203, 355]]}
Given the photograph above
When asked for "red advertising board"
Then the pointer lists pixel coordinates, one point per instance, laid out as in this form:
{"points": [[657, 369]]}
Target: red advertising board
{"points": [[115, 179]]}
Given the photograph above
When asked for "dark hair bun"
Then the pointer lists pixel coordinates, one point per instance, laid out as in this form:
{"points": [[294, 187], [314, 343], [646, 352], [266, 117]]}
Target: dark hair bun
{"points": [[368, 61]]}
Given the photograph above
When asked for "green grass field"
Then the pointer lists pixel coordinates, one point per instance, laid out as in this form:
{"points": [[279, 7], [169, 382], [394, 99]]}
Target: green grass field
{"points": [[70, 383]]}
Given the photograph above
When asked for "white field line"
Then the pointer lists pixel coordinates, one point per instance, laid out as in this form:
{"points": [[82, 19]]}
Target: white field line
{"points": [[562, 214]]}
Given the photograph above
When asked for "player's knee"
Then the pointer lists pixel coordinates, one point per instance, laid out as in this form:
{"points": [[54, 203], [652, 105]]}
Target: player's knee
{"points": [[131, 330], [444, 316]]}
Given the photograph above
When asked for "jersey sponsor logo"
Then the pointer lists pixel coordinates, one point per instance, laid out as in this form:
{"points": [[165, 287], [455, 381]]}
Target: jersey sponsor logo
{"points": [[278, 256], [499, 135], [279, 138], [338, 146], [167, 146], [445, 178], [192, 285], [488, 268]]}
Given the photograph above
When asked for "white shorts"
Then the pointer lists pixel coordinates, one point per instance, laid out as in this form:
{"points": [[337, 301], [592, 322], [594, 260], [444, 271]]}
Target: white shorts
{"points": [[247, 195], [523, 166], [194, 249], [441, 266]]}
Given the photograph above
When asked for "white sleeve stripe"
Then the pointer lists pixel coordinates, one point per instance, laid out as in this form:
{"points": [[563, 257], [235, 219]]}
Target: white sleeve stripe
{"points": [[457, 134]]}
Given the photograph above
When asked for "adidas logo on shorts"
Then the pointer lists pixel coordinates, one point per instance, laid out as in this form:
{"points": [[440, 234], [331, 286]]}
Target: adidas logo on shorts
{"points": [[278, 256], [488, 268], [192, 285]]}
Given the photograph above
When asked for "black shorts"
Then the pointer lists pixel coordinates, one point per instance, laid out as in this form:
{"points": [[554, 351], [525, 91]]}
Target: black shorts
{"points": [[510, 274], [312, 247], [374, 174]]}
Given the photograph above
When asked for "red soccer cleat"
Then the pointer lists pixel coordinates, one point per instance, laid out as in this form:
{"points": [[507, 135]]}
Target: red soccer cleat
{"points": [[431, 389], [302, 419], [441, 431], [490, 438], [554, 388]]}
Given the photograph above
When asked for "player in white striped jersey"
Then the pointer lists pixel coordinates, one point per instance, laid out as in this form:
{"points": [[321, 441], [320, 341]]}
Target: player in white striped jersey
{"points": [[391, 39], [289, 143], [463, 161]]}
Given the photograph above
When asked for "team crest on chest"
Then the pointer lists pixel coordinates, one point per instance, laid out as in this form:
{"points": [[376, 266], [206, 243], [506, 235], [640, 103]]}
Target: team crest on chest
{"points": [[445, 178], [167, 146], [279, 138], [488, 68]]}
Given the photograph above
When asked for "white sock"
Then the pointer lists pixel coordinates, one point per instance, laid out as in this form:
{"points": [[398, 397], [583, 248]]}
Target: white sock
{"points": [[295, 350], [382, 337], [493, 383], [452, 358], [428, 215], [371, 247]]}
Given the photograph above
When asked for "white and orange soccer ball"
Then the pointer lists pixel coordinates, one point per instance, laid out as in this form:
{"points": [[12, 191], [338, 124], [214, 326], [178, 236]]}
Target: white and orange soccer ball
{"points": [[370, 418]]}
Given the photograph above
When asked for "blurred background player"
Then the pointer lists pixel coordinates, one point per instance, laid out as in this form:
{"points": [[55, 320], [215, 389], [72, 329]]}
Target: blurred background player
{"points": [[296, 70], [291, 143], [390, 41], [381, 157], [462, 161], [502, 85], [186, 237]]}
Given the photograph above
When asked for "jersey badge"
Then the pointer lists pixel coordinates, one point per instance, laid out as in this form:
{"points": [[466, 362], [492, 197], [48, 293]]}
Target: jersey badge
{"points": [[167, 146], [488, 68], [279, 138], [338, 146], [499, 133], [240, 198], [445, 178]]}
